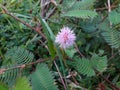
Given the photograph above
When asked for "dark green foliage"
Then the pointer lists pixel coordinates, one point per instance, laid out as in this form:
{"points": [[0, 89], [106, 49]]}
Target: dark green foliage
{"points": [[42, 79], [13, 32]]}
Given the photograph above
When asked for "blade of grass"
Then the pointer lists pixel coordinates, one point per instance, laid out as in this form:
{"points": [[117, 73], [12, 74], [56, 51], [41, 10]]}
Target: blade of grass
{"points": [[50, 35]]}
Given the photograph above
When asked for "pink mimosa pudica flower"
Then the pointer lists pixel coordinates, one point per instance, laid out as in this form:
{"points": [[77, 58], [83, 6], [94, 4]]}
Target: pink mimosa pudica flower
{"points": [[65, 38]]}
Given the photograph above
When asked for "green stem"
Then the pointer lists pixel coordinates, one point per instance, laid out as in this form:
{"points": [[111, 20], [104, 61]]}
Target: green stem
{"points": [[61, 63]]}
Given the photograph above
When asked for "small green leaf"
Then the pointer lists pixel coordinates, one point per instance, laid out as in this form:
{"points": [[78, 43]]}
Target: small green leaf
{"points": [[114, 17], [101, 52], [22, 84], [70, 52]]}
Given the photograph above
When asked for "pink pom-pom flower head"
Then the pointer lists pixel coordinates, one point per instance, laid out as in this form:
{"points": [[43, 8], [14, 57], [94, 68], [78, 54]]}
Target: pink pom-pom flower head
{"points": [[65, 38]]}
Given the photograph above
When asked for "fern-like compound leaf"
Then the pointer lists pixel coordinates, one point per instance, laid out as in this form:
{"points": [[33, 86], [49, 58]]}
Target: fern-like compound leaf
{"points": [[14, 57], [42, 79], [99, 63], [112, 37], [83, 66], [19, 55], [81, 14], [9, 77], [88, 67]]}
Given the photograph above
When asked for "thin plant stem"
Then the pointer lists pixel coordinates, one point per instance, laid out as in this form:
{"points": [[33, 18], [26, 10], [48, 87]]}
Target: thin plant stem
{"points": [[60, 75], [78, 50], [2, 70], [114, 87]]}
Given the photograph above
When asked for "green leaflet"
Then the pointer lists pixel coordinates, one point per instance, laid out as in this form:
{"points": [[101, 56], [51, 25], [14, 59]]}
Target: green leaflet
{"points": [[22, 84], [42, 79], [70, 52], [114, 17], [80, 14]]}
